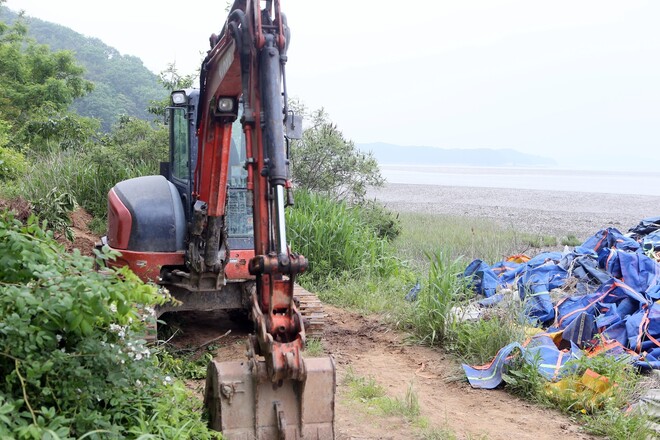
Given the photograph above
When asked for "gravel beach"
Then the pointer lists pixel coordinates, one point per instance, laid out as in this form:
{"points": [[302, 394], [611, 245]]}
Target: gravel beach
{"points": [[557, 213]]}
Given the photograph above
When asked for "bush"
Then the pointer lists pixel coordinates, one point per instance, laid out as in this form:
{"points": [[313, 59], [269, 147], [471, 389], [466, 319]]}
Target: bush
{"points": [[385, 223], [12, 164], [71, 358]]}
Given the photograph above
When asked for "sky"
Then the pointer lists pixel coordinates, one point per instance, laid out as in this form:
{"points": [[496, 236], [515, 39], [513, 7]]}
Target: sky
{"points": [[576, 81]]}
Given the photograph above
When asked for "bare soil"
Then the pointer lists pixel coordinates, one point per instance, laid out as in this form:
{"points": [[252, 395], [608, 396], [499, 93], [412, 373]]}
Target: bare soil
{"points": [[368, 348]]}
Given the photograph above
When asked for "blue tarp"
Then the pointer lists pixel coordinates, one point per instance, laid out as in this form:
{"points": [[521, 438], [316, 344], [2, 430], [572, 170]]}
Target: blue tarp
{"points": [[616, 286]]}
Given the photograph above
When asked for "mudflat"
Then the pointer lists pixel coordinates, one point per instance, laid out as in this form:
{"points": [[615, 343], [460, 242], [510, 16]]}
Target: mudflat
{"points": [[558, 213]]}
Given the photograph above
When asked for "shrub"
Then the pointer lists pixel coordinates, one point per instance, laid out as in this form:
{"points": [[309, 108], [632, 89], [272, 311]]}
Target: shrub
{"points": [[71, 358], [12, 164]]}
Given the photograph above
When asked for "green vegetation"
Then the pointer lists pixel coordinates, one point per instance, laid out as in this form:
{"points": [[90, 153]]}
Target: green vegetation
{"points": [[367, 390], [570, 240], [122, 85], [373, 399], [326, 163], [71, 357], [337, 239], [313, 347], [441, 313], [470, 238]]}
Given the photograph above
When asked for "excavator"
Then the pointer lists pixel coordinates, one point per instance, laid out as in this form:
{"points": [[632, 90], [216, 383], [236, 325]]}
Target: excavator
{"points": [[211, 230]]}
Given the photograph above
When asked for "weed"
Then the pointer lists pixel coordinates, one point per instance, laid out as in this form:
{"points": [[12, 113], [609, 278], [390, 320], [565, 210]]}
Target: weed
{"points": [[443, 433], [183, 367], [431, 317], [408, 407], [458, 237], [313, 347], [77, 361], [619, 425], [570, 240], [54, 208], [363, 389], [336, 239], [523, 379], [540, 241]]}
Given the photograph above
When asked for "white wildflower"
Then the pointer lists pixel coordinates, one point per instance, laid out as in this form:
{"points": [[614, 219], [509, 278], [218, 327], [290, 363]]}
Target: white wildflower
{"points": [[58, 337], [113, 308]]}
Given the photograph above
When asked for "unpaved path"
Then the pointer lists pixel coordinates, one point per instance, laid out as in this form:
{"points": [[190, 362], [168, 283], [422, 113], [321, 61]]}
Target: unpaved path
{"points": [[367, 348]]}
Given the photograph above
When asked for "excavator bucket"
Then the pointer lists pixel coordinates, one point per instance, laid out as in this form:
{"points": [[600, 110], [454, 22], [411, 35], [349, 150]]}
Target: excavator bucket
{"points": [[245, 405]]}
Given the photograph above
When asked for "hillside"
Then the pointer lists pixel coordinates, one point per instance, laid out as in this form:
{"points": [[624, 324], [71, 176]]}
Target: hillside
{"points": [[397, 154], [122, 84]]}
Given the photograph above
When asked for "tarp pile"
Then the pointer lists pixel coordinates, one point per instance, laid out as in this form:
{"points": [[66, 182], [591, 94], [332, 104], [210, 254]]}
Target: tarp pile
{"points": [[608, 286]]}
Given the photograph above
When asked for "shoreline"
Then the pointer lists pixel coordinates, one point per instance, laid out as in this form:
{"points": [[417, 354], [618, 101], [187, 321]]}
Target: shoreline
{"points": [[544, 212]]}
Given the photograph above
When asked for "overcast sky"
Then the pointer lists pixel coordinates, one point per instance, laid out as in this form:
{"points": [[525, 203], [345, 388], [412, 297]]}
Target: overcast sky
{"points": [[575, 80]]}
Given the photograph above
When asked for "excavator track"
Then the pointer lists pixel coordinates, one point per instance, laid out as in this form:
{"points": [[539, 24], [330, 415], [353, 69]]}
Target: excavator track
{"points": [[312, 311]]}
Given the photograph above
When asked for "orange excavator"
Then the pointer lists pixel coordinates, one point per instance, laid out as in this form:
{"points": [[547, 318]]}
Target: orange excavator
{"points": [[211, 229]]}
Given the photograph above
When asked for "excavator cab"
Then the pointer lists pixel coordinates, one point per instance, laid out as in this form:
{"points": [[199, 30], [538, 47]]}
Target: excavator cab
{"points": [[183, 160]]}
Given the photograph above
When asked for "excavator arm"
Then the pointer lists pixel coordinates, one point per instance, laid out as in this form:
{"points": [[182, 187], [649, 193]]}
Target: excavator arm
{"points": [[277, 393]]}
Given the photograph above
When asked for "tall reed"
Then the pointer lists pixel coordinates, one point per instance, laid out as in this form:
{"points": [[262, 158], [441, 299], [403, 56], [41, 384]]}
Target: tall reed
{"points": [[336, 239]]}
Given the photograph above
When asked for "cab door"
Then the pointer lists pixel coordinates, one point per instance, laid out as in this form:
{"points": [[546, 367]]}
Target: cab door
{"points": [[180, 155]]}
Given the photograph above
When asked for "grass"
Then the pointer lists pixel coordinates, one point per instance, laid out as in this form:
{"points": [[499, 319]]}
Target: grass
{"points": [[314, 347], [570, 240], [87, 179], [367, 390], [462, 237]]}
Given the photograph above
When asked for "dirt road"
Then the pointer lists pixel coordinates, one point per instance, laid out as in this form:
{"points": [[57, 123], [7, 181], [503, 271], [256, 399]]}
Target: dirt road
{"points": [[365, 347]]}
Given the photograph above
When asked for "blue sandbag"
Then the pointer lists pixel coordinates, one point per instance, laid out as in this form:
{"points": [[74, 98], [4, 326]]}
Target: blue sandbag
{"points": [[535, 285], [609, 238], [541, 352], [549, 360], [637, 270], [490, 375], [481, 278]]}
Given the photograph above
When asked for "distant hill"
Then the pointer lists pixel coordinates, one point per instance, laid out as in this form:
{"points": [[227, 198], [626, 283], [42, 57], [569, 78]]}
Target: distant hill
{"points": [[397, 154], [123, 85]]}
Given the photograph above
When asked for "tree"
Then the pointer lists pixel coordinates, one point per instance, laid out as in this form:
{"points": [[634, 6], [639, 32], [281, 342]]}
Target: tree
{"points": [[325, 162], [38, 83], [171, 80]]}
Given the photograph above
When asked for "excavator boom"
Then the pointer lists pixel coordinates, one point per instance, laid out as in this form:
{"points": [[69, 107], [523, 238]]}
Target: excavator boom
{"points": [[276, 393]]}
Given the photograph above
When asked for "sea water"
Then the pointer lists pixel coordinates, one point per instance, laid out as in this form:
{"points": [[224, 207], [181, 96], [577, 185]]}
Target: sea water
{"points": [[612, 182]]}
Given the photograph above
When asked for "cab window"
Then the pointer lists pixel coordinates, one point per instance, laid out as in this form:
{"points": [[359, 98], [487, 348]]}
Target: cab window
{"points": [[180, 145]]}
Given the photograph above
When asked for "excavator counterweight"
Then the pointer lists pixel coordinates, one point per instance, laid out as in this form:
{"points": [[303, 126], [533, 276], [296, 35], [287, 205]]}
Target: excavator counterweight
{"points": [[212, 230]]}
